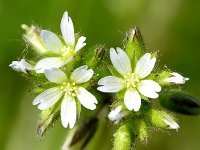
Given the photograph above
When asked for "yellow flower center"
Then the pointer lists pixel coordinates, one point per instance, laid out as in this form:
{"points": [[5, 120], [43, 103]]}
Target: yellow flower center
{"points": [[66, 52], [70, 89], [131, 81]]}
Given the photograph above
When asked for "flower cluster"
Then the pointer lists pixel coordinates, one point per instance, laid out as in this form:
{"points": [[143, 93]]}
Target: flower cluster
{"points": [[69, 79]]}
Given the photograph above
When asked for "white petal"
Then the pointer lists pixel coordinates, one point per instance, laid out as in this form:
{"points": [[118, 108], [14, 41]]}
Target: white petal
{"points": [[25, 65], [81, 74], [132, 100], [67, 29], [52, 41], [47, 63], [68, 112], [149, 88], [21, 66], [15, 65], [86, 98], [120, 61], [110, 84], [176, 78], [55, 75], [48, 98], [80, 44], [116, 115], [145, 65], [172, 124]]}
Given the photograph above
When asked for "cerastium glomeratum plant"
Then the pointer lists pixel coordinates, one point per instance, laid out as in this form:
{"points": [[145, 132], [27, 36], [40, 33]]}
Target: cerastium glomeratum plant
{"points": [[118, 85]]}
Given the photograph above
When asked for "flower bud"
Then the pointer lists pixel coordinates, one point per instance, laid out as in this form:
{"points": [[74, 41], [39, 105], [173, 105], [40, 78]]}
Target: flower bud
{"points": [[143, 131], [122, 138], [47, 118], [161, 119], [116, 114], [180, 102], [33, 38], [94, 57], [134, 45], [21, 66], [176, 78]]}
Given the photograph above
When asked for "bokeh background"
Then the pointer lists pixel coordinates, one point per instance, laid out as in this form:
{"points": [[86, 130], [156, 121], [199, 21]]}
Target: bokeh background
{"points": [[171, 26]]}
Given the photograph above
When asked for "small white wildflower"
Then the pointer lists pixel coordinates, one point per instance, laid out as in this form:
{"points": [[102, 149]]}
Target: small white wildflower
{"points": [[133, 81], [64, 51], [116, 115], [70, 90], [171, 123], [176, 78], [21, 66]]}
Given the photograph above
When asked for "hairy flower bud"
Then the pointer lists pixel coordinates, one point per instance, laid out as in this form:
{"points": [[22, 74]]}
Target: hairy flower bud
{"points": [[134, 45], [47, 119], [161, 119], [122, 138]]}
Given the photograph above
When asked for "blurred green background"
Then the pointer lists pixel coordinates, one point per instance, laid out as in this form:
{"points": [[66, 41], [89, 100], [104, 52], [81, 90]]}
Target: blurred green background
{"points": [[171, 26]]}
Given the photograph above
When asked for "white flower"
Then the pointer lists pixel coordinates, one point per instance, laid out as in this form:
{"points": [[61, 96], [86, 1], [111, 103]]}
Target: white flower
{"points": [[21, 66], [176, 78], [70, 91], [64, 51], [134, 81], [171, 123], [116, 115]]}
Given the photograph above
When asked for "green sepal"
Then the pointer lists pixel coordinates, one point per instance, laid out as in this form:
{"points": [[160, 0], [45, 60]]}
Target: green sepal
{"points": [[143, 131], [47, 119], [33, 38], [113, 71], [123, 138]]}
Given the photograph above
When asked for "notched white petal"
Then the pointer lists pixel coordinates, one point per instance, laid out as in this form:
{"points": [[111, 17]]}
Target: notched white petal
{"points": [[120, 61], [81, 74], [47, 63], [68, 112], [132, 100], [52, 41], [80, 43], [145, 65], [110, 84], [149, 88], [86, 98], [67, 29], [48, 98], [171, 124], [55, 75]]}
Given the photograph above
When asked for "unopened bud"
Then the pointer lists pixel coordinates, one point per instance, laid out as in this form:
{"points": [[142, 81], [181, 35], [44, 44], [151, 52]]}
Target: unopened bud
{"points": [[180, 102], [21, 66], [123, 138], [161, 119], [33, 38], [134, 45], [47, 119], [116, 114]]}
